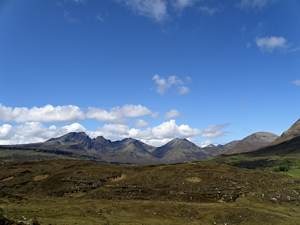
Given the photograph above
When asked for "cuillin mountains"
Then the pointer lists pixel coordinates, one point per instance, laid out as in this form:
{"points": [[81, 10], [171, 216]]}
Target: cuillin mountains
{"points": [[132, 151], [127, 150], [80, 145]]}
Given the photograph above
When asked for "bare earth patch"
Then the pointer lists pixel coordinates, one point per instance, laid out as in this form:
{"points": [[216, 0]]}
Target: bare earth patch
{"points": [[40, 177], [193, 179]]}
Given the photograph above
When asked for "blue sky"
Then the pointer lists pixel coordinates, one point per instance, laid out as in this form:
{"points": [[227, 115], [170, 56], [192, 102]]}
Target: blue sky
{"points": [[209, 70]]}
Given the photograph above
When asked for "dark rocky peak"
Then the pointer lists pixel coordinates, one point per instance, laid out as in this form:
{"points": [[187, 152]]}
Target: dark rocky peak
{"points": [[101, 140], [72, 137]]}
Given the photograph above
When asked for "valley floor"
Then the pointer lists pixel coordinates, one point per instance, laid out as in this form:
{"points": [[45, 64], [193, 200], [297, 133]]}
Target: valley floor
{"points": [[67, 192], [109, 212]]}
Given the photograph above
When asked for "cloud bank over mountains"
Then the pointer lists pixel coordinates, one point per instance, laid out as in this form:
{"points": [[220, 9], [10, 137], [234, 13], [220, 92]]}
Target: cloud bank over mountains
{"points": [[21, 125]]}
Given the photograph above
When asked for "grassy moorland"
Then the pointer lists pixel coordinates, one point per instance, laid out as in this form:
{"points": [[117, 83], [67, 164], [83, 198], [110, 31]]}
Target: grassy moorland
{"points": [[209, 192], [286, 165]]}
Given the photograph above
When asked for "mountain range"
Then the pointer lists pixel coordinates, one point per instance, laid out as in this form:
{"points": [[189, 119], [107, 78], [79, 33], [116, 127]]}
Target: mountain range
{"points": [[176, 151]]}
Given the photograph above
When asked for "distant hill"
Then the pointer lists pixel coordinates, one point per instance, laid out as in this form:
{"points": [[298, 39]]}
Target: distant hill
{"points": [[287, 144], [251, 143], [290, 147]]}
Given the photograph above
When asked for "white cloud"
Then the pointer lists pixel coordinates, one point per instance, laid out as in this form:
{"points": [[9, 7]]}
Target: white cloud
{"points": [[296, 82], [101, 114], [155, 9], [254, 4], [172, 114], [74, 127], [112, 131], [27, 124], [164, 84], [269, 44], [65, 113], [5, 130], [46, 113], [34, 132], [118, 114], [170, 129], [156, 135]]}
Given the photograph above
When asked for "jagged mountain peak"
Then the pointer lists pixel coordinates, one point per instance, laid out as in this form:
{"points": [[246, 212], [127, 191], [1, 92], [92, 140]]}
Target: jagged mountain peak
{"points": [[180, 142], [179, 150], [101, 139], [71, 137]]}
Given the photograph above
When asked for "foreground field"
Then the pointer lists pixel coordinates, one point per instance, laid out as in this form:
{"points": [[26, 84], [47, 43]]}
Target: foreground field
{"points": [[89, 211], [80, 192]]}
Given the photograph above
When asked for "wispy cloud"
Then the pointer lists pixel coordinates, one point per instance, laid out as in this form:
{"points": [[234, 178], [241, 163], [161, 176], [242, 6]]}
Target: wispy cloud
{"points": [[182, 4], [214, 131], [160, 10], [296, 82], [164, 84], [294, 49], [78, 1], [173, 113], [271, 43], [71, 18], [155, 9], [99, 18], [209, 10], [254, 4]]}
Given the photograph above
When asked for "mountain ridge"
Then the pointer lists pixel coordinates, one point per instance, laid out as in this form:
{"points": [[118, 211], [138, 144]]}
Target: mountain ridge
{"points": [[178, 150], [290, 133]]}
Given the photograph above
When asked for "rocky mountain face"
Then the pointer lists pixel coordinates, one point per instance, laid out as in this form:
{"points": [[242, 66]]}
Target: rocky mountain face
{"points": [[124, 151], [179, 150], [292, 132], [251, 143], [290, 147], [129, 151], [71, 141]]}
